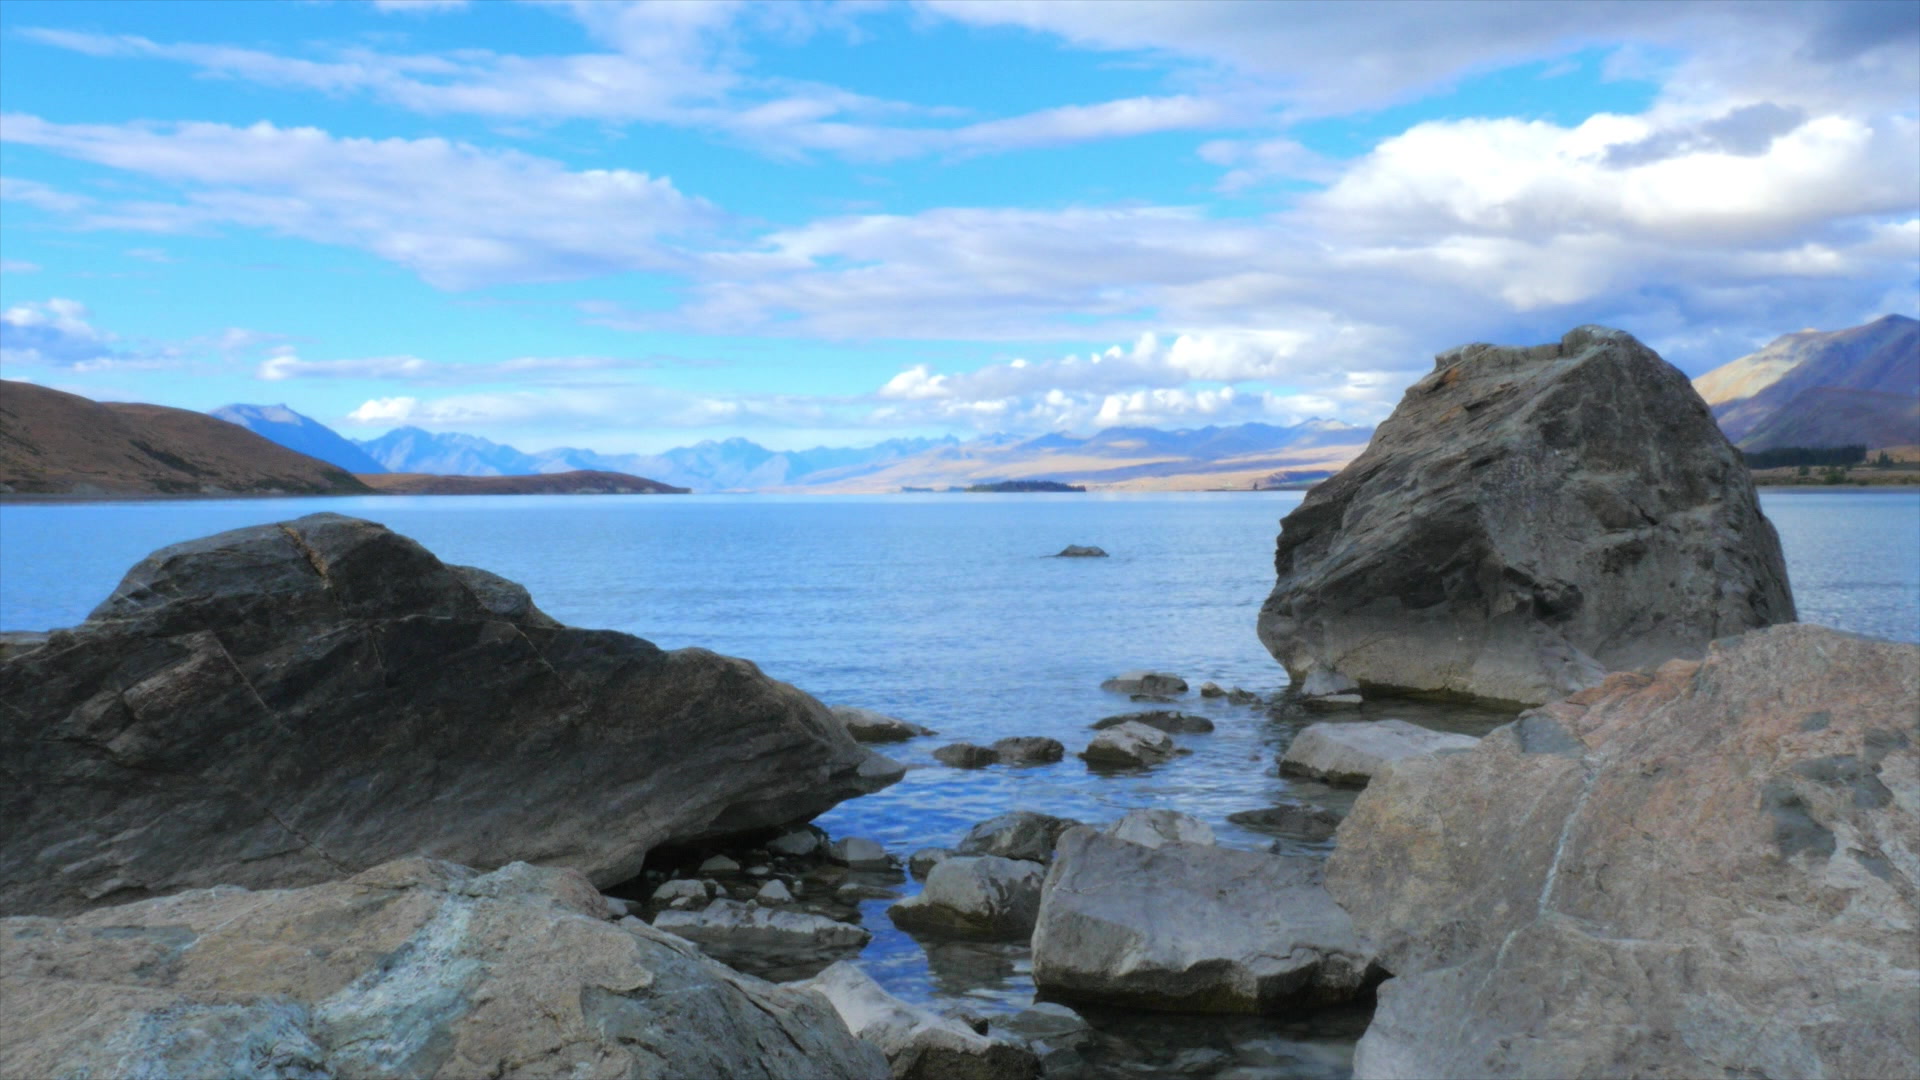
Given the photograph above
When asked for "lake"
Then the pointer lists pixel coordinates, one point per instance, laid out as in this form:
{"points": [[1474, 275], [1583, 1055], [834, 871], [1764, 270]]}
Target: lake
{"points": [[944, 610]]}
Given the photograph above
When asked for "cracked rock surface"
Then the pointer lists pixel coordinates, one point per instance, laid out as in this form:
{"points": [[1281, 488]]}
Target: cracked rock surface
{"points": [[415, 968], [1710, 869], [292, 703]]}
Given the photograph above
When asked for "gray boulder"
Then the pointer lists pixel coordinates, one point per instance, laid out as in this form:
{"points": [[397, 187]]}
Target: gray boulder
{"points": [[1028, 750], [1527, 519], [292, 703], [727, 928], [1704, 870], [965, 755], [859, 853], [410, 969], [1021, 834], [1358, 751], [1079, 551], [1145, 682], [922, 862], [798, 843], [868, 726], [1319, 682], [682, 892], [1129, 745], [1167, 720], [774, 892], [918, 1044], [1192, 928], [977, 896], [1153, 828]]}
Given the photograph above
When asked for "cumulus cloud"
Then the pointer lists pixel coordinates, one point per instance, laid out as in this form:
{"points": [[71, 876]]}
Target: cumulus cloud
{"points": [[457, 215], [56, 332]]}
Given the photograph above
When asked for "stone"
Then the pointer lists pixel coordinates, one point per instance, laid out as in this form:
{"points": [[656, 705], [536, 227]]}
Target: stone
{"points": [[719, 864], [1237, 696], [1526, 520], [1130, 745], [1152, 828], [293, 703], [682, 889], [868, 726], [1211, 690], [797, 844], [1021, 834], [859, 853], [411, 968], [774, 892], [855, 891], [1354, 752], [1167, 720], [976, 896], [729, 928], [1151, 699], [1319, 682], [1192, 928], [1707, 869], [1145, 682], [918, 1043], [1077, 551], [1310, 823], [921, 862], [1333, 702], [616, 908], [1028, 750], [759, 871], [964, 755]]}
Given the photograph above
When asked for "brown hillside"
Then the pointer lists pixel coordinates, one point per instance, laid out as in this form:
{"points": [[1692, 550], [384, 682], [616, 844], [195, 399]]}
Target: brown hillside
{"points": [[56, 443], [578, 482]]}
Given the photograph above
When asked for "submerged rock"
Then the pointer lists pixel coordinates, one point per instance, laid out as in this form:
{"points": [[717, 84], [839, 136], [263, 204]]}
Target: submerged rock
{"points": [[1021, 834], [1705, 870], [1527, 519], [964, 755], [918, 1043], [1129, 745], [291, 703], [1192, 928], [1212, 690], [980, 896], [1028, 750], [413, 968], [1356, 752], [868, 726], [1310, 823], [1145, 682], [1173, 723]]}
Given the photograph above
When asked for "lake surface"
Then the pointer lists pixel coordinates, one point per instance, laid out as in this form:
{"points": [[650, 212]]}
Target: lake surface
{"points": [[944, 610]]}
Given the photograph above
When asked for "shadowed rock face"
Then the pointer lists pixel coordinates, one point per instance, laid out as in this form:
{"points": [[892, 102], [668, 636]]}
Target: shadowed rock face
{"points": [[1527, 519], [1712, 869], [291, 703], [415, 968]]}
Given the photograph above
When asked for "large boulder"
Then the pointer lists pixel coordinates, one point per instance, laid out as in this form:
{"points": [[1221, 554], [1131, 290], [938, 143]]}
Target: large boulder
{"points": [[1192, 928], [1355, 753], [1712, 869], [975, 896], [1526, 520], [412, 969], [293, 703], [918, 1044]]}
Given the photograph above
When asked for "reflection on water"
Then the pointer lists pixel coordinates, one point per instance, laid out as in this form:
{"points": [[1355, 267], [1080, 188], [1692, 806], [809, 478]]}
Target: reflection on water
{"points": [[944, 611]]}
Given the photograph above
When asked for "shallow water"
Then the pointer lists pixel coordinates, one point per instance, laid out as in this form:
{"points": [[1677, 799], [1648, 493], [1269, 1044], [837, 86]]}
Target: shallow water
{"points": [[944, 610]]}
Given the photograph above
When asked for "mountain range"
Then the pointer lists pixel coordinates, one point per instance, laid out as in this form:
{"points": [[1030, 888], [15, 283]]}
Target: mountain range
{"points": [[1859, 385]]}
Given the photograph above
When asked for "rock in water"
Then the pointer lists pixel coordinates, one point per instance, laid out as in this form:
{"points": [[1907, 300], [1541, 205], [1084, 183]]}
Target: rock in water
{"points": [[1021, 834], [1078, 551], [1527, 519], [1129, 745], [869, 726], [1028, 750], [1192, 928], [1706, 870], [292, 703], [413, 968], [978, 896], [1154, 828], [1355, 753], [966, 755], [1145, 682], [917, 1043], [1167, 720]]}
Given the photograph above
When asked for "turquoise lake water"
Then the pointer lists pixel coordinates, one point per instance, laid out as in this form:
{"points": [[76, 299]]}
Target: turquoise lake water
{"points": [[944, 610]]}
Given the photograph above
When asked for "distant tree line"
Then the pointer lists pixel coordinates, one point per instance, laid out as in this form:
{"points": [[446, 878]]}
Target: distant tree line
{"points": [[1783, 456]]}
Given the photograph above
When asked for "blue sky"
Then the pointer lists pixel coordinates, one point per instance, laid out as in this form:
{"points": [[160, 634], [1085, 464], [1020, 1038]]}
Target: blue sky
{"points": [[630, 227]]}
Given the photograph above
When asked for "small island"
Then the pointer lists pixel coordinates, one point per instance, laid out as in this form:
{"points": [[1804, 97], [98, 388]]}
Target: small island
{"points": [[1027, 485]]}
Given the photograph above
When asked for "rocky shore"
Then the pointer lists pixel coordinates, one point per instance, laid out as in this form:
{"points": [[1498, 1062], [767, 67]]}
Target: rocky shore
{"points": [[303, 801]]}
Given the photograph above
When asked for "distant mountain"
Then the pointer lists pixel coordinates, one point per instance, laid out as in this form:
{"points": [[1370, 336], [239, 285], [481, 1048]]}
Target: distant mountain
{"points": [[413, 450], [57, 443], [297, 432], [1781, 393], [581, 482]]}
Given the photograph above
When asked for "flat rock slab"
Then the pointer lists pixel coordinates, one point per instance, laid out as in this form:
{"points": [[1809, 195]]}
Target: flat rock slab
{"points": [[293, 703], [1080, 551], [965, 755], [1311, 823], [1354, 753], [918, 1043], [1145, 682], [410, 969], [727, 927], [1167, 720], [1705, 870], [1192, 928]]}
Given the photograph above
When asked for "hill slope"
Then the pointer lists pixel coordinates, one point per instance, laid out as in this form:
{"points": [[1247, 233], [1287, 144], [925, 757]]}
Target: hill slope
{"points": [[578, 482], [300, 433], [1769, 389], [58, 443]]}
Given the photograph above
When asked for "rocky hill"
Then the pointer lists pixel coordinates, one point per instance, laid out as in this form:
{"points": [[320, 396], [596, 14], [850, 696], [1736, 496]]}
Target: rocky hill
{"points": [[578, 482], [302, 433], [56, 443], [1813, 388]]}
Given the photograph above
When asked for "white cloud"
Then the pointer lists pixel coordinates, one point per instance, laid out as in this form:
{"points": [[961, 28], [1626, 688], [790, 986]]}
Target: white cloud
{"points": [[18, 266], [55, 332], [413, 369], [457, 215], [418, 7]]}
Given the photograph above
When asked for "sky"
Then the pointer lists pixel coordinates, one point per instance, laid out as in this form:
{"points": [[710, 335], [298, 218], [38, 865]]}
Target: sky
{"points": [[635, 226]]}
